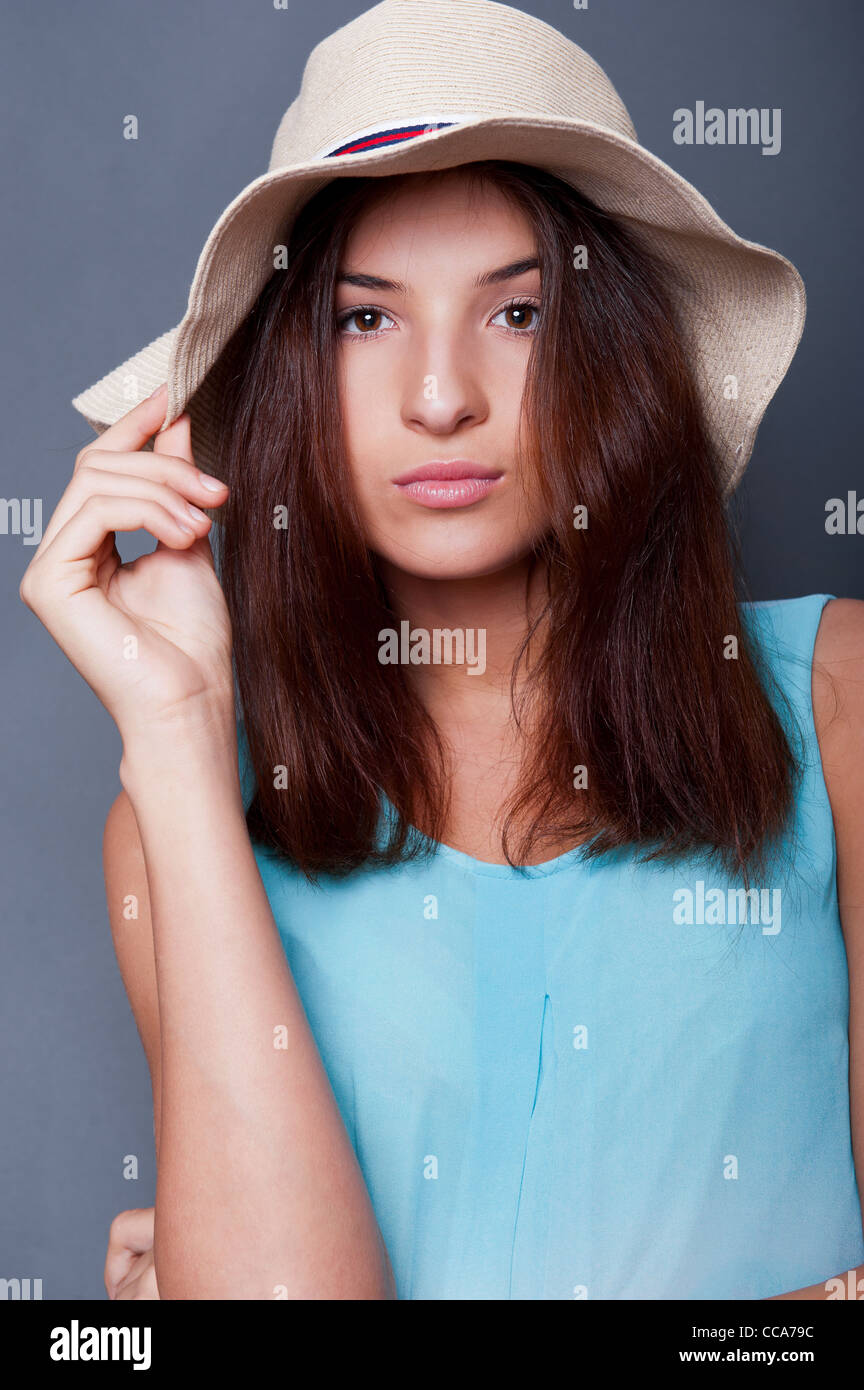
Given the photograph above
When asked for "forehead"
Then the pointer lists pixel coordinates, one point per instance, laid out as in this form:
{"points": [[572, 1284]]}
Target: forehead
{"points": [[419, 213]]}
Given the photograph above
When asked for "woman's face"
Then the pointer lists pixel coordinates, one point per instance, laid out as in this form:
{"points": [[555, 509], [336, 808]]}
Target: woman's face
{"points": [[432, 359]]}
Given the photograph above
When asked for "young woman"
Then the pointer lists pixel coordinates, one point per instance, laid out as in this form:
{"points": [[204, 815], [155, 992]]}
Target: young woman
{"points": [[515, 951]]}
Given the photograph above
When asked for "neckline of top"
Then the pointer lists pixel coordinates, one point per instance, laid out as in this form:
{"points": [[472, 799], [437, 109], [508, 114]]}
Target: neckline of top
{"points": [[486, 868]]}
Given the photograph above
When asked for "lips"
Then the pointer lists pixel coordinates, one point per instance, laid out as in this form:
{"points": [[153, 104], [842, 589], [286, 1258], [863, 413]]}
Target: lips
{"points": [[448, 483], [445, 470]]}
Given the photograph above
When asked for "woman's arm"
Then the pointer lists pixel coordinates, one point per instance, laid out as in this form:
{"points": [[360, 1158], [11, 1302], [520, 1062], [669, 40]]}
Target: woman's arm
{"points": [[259, 1193], [129, 1268], [838, 709], [128, 897]]}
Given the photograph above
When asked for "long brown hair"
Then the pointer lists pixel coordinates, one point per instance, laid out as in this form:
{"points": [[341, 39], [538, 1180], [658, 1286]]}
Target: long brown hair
{"points": [[683, 748]]}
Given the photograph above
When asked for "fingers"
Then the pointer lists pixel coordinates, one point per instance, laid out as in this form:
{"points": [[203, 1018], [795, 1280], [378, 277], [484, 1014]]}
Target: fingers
{"points": [[186, 514], [120, 449], [131, 1234], [172, 465], [133, 1228], [61, 584], [102, 513], [143, 1288], [118, 1266], [138, 425], [172, 472], [176, 439]]}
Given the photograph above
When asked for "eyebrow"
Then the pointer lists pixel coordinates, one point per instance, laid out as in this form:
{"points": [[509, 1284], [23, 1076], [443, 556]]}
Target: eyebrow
{"points": [[489, 277]]}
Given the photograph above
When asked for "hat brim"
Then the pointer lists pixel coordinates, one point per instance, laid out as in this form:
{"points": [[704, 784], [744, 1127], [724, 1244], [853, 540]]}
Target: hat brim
{"points": [[740, 306]]}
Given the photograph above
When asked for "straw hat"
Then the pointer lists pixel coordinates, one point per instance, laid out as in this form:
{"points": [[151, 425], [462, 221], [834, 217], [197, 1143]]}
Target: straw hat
{"points": [[416, 85]]}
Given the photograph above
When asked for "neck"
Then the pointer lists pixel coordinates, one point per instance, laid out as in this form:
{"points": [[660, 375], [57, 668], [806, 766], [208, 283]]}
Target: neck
{"points": [[493, 611]]}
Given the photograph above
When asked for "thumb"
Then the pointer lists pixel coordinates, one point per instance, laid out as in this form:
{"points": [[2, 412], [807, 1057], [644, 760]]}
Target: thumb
{"points": [[176, 438]]}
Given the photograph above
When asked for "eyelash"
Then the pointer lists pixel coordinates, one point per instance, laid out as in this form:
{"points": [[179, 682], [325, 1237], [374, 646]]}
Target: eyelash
{"points": [[517, 303]]}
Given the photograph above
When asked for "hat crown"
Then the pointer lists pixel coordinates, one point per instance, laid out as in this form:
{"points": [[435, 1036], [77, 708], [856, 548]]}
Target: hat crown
{"points": [[408, 62]]}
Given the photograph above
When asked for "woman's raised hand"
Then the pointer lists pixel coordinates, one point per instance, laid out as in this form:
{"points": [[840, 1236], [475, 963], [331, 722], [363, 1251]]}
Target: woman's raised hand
{"points": [[152, 638]]}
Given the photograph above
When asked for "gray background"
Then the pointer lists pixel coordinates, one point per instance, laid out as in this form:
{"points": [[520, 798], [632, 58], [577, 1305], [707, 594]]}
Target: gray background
{"points": [[101, 237]]}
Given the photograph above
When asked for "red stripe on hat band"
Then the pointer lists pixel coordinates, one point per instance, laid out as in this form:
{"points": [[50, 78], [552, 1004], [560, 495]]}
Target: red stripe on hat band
{"points": [[386, 137]]}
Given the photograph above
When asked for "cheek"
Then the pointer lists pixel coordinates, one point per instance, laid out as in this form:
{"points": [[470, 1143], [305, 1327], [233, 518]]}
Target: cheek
{"points": [[367, 416]]}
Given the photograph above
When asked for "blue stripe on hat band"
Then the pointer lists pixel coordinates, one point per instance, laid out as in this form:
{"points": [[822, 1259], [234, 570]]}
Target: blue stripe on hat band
{"points": [[396, 135]]}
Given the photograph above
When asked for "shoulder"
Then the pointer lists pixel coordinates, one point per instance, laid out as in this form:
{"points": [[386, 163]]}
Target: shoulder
{"points": [[814, 647], [838, 679], [841, 631], [788, 625], [838, 703], [838, 713], [783, 636]]}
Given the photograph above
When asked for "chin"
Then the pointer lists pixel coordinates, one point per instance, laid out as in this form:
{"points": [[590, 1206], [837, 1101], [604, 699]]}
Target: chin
{"points": [[434, 561]]}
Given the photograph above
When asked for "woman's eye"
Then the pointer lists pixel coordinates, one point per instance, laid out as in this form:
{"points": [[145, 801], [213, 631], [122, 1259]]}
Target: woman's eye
{"points": [[521, 316], [363, 322], [366, 321]]}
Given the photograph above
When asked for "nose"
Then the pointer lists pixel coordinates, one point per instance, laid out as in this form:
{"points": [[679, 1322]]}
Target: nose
{"points": [[442, 388]]}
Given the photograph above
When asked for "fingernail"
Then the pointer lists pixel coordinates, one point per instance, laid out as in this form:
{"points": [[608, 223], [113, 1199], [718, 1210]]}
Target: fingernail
{"points": [[212, 484], [163, 387], [196, 512]]}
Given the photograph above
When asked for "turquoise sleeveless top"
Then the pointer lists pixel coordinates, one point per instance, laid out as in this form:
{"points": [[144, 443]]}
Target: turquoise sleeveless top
{"points": [[595, 1080]]}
